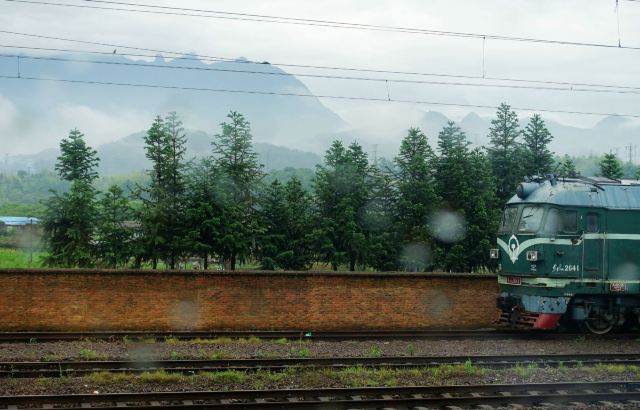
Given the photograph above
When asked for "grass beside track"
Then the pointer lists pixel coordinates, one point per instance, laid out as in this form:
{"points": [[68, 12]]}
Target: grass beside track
{"points": [[297, 377]]}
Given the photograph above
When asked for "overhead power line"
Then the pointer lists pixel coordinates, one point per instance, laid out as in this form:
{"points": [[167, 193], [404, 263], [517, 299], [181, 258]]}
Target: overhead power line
{"points": [[309, 95], [181, 55], [323, 76], [217, 14]]}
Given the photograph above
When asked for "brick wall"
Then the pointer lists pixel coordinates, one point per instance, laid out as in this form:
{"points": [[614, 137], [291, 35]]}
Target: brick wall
{"points": [[66, 300]]}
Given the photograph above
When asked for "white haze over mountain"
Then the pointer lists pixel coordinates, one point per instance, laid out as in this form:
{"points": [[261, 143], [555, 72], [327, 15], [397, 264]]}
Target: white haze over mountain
{"points": [[34, 116]]}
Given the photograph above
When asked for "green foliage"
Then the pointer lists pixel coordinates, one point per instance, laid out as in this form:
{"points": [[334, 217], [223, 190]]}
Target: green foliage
{"points": [[70, 217], [285, 213], [341, 193], [416, 196], [504, 151], [568, 168], [462, 176], [611, 167], [538, 159], [77, 161], [162, 215], [113, 237], [239, 173]]}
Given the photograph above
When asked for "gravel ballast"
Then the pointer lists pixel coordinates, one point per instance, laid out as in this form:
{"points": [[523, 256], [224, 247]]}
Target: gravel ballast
{"points": [[253, 348]]}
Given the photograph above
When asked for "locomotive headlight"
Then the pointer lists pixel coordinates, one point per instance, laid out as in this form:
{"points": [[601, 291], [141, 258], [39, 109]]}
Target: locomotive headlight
{"points": [[534, 256], [493, 254]]}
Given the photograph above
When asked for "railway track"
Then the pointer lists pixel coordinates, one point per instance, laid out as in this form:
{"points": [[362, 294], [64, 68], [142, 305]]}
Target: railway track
{"points": [[34, 337], [604, 394], [80, 368]]}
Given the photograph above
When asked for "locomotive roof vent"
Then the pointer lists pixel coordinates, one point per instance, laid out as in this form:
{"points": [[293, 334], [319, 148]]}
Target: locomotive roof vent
{"points": [[525, 189]]}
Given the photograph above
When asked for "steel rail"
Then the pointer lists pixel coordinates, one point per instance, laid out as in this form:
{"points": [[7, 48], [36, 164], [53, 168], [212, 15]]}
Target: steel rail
{"points": [[35, 337], [80, 368], [584, 393]]}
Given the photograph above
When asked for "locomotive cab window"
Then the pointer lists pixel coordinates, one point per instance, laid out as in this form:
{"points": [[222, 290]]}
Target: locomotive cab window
{"points": [[508, 218], [530, 218], [561, 221], [593, 223]]}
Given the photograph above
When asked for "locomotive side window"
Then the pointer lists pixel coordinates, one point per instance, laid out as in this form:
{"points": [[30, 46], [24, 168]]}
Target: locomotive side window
{"points": [[552, 224], [530, 219], [508, 218], [593, 223], [570, 221]]}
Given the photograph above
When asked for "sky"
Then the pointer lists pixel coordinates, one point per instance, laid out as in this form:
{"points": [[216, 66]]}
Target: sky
{"points": [[589, 21]]}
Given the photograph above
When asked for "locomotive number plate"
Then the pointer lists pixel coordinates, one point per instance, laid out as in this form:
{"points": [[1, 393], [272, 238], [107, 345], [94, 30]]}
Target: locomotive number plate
{"points": [[617, 287], [514, 280]]}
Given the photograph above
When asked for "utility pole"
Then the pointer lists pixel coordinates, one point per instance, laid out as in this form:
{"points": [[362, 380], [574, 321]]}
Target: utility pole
{"points": [[375, 155]]}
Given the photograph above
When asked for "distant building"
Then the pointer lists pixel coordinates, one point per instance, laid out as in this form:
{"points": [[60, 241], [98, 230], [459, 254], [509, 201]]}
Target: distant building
{"points": [[18, 221]]}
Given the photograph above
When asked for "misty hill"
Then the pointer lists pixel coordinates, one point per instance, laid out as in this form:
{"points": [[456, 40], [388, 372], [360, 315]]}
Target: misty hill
{"points": [[611, 133], [34, 108], [128, 155]]}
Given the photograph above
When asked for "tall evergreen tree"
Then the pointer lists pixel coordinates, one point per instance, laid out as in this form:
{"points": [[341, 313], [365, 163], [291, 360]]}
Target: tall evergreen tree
{"points": [[162, 216], [417, 200], [568, 168], [285, 219], [504, 151], [538, 159], [70, 217], [341, 193], [466, 185], [610, 166], [240, 172], [205, 210], [113, 236]]}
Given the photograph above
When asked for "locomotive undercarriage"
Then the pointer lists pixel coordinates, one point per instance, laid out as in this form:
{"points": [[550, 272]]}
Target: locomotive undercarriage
{"points": [[599, 314]]}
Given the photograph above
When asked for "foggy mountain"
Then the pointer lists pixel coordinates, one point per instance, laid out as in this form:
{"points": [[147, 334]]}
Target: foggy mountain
{"points": [[36, 115], [128, 155]]}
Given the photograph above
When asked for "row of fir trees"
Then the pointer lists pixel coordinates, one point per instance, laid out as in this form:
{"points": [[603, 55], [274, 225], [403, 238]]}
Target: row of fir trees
{"points": [[430, 208]]}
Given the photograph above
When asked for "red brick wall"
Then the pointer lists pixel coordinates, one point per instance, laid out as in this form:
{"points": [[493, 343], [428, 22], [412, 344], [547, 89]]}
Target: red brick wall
{"points": [[66, 300]]}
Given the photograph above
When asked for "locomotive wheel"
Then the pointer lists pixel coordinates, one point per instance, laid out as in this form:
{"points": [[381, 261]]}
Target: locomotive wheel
{"points": [[601, 324]]}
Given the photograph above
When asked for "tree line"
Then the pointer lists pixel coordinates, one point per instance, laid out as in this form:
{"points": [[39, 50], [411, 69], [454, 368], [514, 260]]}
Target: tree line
{"points": [[430, 208]]}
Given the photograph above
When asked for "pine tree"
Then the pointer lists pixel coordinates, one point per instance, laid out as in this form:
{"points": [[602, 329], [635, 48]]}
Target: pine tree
{"points": [[467, 188], [163, 216], [341, 192], [285, 221], [113, 236], [610, 166], [417, 200], [204, 211], [538, 159], [70, 217], [77, 161], [378, 220], [240, 172], [568, 168], [504, 151]]}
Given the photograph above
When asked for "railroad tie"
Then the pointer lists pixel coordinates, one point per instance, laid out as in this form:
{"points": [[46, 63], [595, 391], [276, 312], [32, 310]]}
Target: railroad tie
{"points": [[548, 405], [12, 407], [577, 404], [157, 403], [562, 392], [476, 394], [515, 406], [85, 405], [47, 406], [606, 403], [293, 399], [187, 402], [121, 404], [357, 398], [505, 393]]}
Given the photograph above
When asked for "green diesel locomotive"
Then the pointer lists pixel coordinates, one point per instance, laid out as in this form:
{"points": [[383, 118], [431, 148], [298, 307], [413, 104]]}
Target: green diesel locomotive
{"points": [[569, 252]]}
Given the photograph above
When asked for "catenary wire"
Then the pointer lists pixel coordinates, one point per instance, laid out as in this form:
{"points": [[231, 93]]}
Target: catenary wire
{"points": [[335, 97], [273, 73], [181, 56], [322, 23]]}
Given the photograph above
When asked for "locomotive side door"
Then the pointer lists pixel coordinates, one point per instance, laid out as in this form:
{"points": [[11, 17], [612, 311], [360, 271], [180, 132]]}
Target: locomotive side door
{"points": [[593, 246]]}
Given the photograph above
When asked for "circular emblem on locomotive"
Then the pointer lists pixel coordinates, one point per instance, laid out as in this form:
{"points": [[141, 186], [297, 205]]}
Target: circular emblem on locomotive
{"points": [[514, 247]]}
